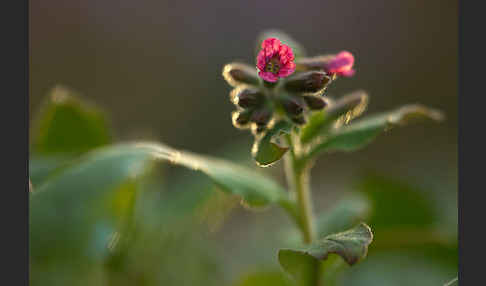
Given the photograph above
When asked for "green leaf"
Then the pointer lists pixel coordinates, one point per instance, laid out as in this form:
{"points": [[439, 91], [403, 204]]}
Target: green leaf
{"points": [[255, 189], [297, 48], [75, 211], [81, 193], [399, 268], [392, 202], [42, 167], [266, 152], [351, 245], [343, 215], [344, 109], [404, 216], [362, 132], [66, 124]]}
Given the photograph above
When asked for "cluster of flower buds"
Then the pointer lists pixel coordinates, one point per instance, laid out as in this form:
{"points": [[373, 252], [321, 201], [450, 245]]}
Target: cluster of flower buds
{"points": [[281, 86]]}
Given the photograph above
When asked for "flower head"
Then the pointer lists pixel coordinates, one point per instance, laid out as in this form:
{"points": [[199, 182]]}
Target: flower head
{"points": [[341, 64], [275, 60]]}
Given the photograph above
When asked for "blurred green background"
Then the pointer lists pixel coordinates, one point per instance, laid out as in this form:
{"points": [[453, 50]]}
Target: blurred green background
{"points": [[154, 68]]}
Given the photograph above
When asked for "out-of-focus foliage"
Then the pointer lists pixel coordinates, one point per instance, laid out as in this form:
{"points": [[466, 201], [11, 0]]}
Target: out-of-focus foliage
{"points": [[406, 227], [343, 215], [103, 214], [68, 125], [254, 189], [410, 247], [264, 278], [84, 221]]}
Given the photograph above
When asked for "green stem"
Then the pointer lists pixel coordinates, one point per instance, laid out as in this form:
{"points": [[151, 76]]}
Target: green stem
{"points": [[297, 172], [303, 193]]}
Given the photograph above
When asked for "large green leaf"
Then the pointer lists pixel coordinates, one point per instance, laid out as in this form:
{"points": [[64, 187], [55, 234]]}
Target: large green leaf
{"points": [[81, 195], [343, 109], [42, 167], [266, 152], [66, 124], [76, 210], [255, 189], [362, 132], [351, 245]]}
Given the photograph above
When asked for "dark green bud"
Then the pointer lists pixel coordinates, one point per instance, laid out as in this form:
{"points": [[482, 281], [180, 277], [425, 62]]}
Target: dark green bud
{"points": [[298, 119], [243, 117], [293, 105], [238, 73], [315, 102], [259, 129], [249, 97], [307, 82], [261, 116]]}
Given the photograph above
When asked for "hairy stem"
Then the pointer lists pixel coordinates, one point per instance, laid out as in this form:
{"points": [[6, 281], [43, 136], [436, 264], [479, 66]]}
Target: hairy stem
{"points": [[297, 172], [303, 195]]}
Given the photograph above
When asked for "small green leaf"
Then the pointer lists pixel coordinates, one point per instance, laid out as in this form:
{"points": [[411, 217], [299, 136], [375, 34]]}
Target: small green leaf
{"points": [[297, 48], [362, 132], [344, 109], [343, 215], [266, 152], [68, 125], [351, 245]]}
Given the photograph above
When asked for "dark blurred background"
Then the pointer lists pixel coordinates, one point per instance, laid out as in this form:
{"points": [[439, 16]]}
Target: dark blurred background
{"points": [[155, 67]]}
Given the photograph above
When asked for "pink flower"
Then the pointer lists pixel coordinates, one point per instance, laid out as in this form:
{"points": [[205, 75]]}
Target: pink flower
{"points": [[341, 64], [275, 60]]}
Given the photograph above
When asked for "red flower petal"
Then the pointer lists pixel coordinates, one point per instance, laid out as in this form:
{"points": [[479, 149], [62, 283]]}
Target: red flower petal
{"points": [[272, 48]]}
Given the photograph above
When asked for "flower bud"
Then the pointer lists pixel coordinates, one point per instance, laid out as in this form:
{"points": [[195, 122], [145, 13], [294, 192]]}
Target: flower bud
{"points": [[259, 129], [237, 73], [315, 63], [241, 118], [298, 119], [315, 102], [355, 101], [341, 65], [248, 97], [293, 105], [261, 116], [307, 82]]}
